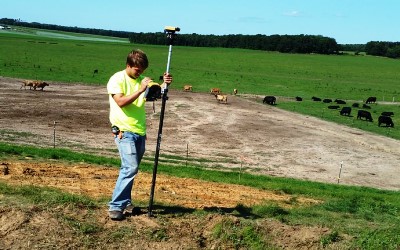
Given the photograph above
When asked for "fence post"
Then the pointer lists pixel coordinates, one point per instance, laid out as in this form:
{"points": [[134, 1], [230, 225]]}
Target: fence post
{"points": [[187, 153], [340, 171], [54, 135]]}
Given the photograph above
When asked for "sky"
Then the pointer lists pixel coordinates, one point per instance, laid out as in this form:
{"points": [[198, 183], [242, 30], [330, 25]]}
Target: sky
{"points": [[347, 21]]}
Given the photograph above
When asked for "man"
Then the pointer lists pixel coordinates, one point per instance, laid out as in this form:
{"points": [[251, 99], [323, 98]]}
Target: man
{"points": [[128, 119]]}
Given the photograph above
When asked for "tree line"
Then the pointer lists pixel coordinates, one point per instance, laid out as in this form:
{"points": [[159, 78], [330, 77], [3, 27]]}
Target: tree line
{"points": [[282, 43], [386, 49]]}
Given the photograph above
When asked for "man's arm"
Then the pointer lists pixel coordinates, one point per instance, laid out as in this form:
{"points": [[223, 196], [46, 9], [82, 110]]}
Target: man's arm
{"points": [[123, 100]]}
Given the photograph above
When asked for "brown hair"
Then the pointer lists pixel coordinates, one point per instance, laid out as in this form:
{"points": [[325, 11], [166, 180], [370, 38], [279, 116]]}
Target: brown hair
{"points": [[137, 58]]}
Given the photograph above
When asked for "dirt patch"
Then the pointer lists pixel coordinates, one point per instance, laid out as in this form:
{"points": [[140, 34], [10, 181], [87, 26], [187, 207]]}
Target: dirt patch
{"points": [[242, 134], [98, 182]]}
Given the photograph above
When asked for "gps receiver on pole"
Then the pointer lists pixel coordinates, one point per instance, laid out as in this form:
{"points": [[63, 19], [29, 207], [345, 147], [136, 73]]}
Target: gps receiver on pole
{"points": [[171, 32]]}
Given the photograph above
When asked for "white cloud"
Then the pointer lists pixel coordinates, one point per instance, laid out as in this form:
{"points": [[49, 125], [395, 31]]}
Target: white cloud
{"points": [[292, 13]]}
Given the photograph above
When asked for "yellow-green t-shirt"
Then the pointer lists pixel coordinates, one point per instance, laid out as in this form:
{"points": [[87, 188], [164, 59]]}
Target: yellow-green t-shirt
{"points": [[131, 117]]}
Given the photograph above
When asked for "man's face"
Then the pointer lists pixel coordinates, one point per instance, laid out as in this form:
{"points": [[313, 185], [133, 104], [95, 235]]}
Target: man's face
{"points": [[134, 71]]}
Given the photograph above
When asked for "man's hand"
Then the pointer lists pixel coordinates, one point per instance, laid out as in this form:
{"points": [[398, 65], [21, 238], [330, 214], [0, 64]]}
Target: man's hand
{"points": [[167, 78], [144, 84]]}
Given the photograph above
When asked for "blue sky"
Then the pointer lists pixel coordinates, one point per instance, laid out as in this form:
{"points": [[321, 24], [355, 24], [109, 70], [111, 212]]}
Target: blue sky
{"points": [[347, 21]]}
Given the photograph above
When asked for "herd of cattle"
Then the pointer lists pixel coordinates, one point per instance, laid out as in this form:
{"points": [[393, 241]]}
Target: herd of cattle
{"points": [[33, 85], [384, 118], [362, 114], [215, 91]]}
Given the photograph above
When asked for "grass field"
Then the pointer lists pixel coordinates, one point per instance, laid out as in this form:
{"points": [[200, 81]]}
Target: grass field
{"points": [[252, 72], [44, 55]]}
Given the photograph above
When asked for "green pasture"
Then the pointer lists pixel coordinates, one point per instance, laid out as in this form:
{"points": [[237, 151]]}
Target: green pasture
{"points": [[250, 71], [321, 110], [32, 55]]}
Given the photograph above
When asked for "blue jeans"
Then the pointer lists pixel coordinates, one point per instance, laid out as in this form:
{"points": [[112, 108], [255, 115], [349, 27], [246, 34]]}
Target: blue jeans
{"points": [[131, 148]]}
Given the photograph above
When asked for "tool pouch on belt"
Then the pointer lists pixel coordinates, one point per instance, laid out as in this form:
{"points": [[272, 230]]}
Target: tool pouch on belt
{"points": [[115, 130], [153, 92]]}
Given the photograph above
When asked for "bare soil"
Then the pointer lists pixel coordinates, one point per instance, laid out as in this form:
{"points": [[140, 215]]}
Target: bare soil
{"points": [[243, 134]]}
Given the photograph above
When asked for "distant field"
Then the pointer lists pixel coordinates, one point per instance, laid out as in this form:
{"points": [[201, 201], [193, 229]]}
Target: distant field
{"points": [[49, 56], [61, 34], [250, 71]]}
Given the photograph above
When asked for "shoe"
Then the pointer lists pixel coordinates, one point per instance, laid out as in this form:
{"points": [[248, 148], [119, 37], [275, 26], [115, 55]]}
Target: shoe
{"points": [[129, 209], [116, 215]]}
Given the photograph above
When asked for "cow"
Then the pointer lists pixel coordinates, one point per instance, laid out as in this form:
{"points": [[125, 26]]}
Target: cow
{"points": [[364, 114], [365, 106], [187, 88], [387, 120], [27, 83], [327, 100], [338, 101], [355, 105], [316, 99], [333, 106], [96, 71], [221, 98], [215, 91], [371, 99], [235, 91], [299, 99], [387, 113], [40, 85], [271, 100], [345, 111]]}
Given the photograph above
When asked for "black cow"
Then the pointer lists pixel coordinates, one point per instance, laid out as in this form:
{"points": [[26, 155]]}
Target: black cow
{"points": [[327, 100], [385, 119], [338, 101], [355, 105], [371, 99], [316, 99], [365, 106], [387, 113], [333, 106], [345, 111], [269, 100], [364, 114], [299, 99]]}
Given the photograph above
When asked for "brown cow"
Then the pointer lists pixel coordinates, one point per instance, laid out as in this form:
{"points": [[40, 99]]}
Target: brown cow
{"points": [[27, 83], [234, 91], [215, 91], [187, 88], [40, 85], [221, 98]]}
